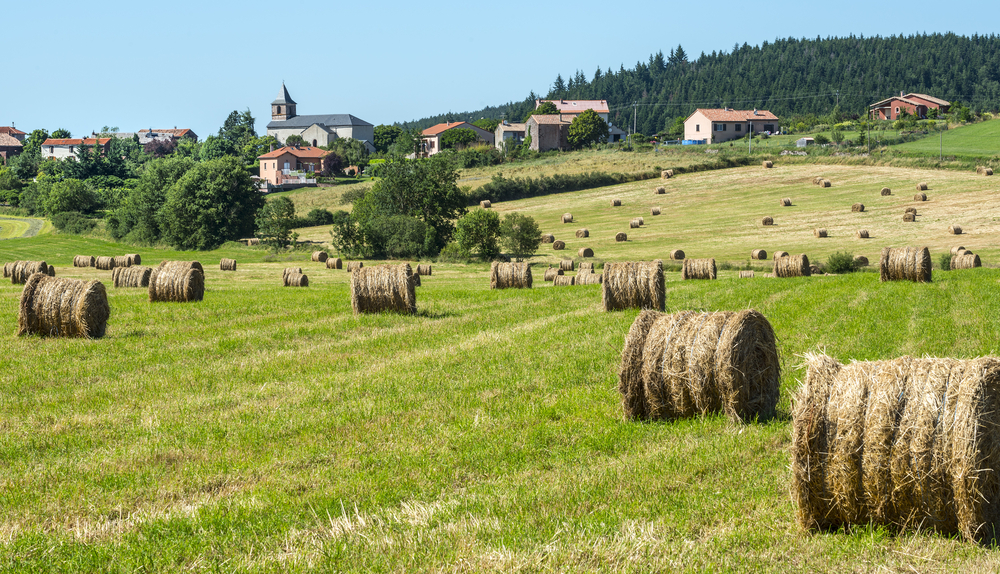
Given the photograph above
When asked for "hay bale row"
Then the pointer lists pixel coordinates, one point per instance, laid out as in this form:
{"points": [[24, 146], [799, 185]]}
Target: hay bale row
{"points": [[746, 274], [677, 254], [819, 232], [633, 285], [920, 197], [698, 269], [424, 269], [567, 218], [558, 245], [566, 265], [905, 443], [792, 266], [320, 256], [354, 266], [587, 266], [384, 288], [768, 220], [905, 264], [63, 307], [123, 261], [227, 264], [654, 210], [661, 190], [861, 261], [548, 238], [922, 186], [955, 229], [485, 204], [20, 271], [581, 233], [667, 173], [334, 263], [779, 254], [965, 260], [105, 263], [295, 280], [759, 254], [510, 275], [7, 267], [134, 258], [785, 202], [689, 363], [589, 278], [862, 234], [585, 252], [134, 276], [551, 273], [956, 249], [621, 236], [768, 164], [177, 281], [563, 281], [983, 170], [886, 191], [616, 202], [83, 261], [858, 208]]}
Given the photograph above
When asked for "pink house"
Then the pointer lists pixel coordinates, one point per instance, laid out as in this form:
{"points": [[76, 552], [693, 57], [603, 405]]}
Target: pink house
{"points": [[292, 166], [914, 104]]}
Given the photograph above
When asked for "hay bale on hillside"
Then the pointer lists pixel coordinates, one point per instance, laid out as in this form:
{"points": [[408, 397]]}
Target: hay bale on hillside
{"points": [[485, 204], [677, 254], [746, 274], [253, 241], [20, 271], [815, 269], [965, 260], [955, 229], [862, 234], [956, 249], [768, 220], [922, 186], [861, 261], [819, 232], [134, 258], [858, 208], [227, 264], [354, 265], [886, 191], [82, 261], [962, 251], [334, 263], [818, 180], [905, 264], [63, 307], [134, 276], [589, 278], [825, 183], [698, 269], [585, 252], [581, 233], [567, 218], [384, 288], [510, 275], [566, 265], [690, 363], [424, 269], [792, 266], [177, 281], [548, 238], [912, 210], [616, 202], [768, 164], [320, 256], [295, 280], [633, 285], [563, 281], [634, 224], [105, 263], [619, 237], [551, 273], [654, 210], [7, 267], [182, 265], [759, 254], [641, 220], [291, 270], [920, 197], [667, 173], [779, 254], [785, 202], [585, 266], [123, 261], [909, 217], [988, 171], [558, 245], [904, 443], [51, 271], [661, 190]]}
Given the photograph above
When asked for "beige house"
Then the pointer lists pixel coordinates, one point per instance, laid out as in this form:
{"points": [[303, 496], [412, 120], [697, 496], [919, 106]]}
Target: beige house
{"points": [[53, 148], [548, 132], [720, 125], [318, 130], [508, 132], [432, 136], [290, 166]]}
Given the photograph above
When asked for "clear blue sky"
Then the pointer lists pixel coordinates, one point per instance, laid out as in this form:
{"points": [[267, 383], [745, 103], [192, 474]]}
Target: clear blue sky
{"points": [[83, 65]]}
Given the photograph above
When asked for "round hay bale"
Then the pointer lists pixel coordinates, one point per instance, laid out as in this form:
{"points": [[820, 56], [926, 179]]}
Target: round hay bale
{"points": [[295, 280], [567, 218], [689, 363], [290, 270], [768, 220], [988, 171], [227, 264], [7, 267], [83, 261], [134, 276], [825, 183], [768, 164], [424, 269], [320, 256], [818, 180], [620, 236], [510, 275], [415, 278], [858, 208], [746, 274], [955, 229], [51, 271], [585, 266], [105, 263], [815, 270], [634, 224], [955, 250], [862, 234], [354, 265], [63, 307], [759, 254], [563, 281], [909, 216], [920, 197], [819, 232], [616, 203], [581, 233], [551, 273], [965, 260], [654, 210], [912, 210], [641, 220], [922, 186], [962, 251], [792, 266], [384, 288], [633, 285], [585, 252], [253, 241], [134, 258], [548, 238], [861, 261], [979, 170], [886, 191], [779, 254], [589, 278], [785, 202], [177, 281], [22, 270], [559, 245], [661, 190], [123, 261], [698, 269], [904, 443], [677, 254], [905, 264], [667, 174], [485, 204], [334, 263], [566, 265]]}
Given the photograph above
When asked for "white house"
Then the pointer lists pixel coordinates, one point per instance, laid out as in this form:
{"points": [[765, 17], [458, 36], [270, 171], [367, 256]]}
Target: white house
{"points": [[720, 125], [317, 130], [64, 148]]}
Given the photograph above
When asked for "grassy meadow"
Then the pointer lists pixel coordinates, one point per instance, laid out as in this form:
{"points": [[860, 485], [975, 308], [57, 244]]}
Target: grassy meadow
{"points": [[975, 140]]}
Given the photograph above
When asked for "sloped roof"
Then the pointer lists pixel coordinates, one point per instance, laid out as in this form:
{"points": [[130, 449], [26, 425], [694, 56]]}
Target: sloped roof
{"points": [[578, 106], [730, 115], [283, 97], [302, 152], [895, 99], [179, 133], [932, 99], [11, 130], [74, 141], [436, 129], [329, 120], [547, 119], [7, 140], [511, 127]]}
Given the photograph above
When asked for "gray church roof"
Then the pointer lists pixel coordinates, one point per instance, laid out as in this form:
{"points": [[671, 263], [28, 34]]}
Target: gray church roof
{"points": [[283, 97], [328, 120]]}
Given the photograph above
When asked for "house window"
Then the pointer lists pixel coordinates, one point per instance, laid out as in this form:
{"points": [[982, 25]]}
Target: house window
{"points": [[697, 127], [897, 110], [52, 149], [739, 127], [70, 149], [279, 110]]}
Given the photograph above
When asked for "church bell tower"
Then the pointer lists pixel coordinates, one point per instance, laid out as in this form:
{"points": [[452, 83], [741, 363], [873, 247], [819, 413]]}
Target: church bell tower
{"points": [[283, 107]]}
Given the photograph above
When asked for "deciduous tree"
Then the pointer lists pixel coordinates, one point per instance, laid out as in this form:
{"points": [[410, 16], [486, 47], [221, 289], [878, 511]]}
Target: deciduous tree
{"points": [[587, 128]]}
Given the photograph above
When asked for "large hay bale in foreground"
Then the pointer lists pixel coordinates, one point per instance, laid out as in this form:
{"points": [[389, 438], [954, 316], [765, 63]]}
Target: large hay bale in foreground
{"points": [[886, 191], [758, 254], [295, 280], [20, 271], [956, 249], [566, 265], [585, 252], [105, 263], [690, 363], [227, 264], [123, 261], [920, 197], [905, 264], [862, 234], [485, 204], [746, 274], [819, 232], [177, 281], [633, 285], [904, 443], [589, 278], [83, 261], [677, 254], [779, 254], [965, 260], [558, 245], [581, 233], [510, 275], [334, 263], [63, 307], [698, 269], [424, 269], [382, 288], [548, 238], [616, 202], [551, 273], [792, 266], [922, 186], [567, 218], [320, 256], [858, 208], [768, 164], [134, 276], [785, 202], [955, 229], [654, 210], [768, 220], [621, 236], [563, 281], [354, 266]]}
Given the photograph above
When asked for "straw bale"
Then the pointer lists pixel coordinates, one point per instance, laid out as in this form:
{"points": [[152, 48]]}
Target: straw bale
{"points": [[123, 261], [134, 258], [295, 280], [886, 191], [510, 275], [63, 307], [566, 265], [955, 250], [616, 203], [920, 197], [320, 256], [921, 186], [667, 173], [581, 233], [965, 260], [105, 263], [746, 274], [661, 190], [778, 254], [955, 229], [861, 261], [818, 180], [641, 220], [415, 279], [558, 245], [858, 207], [634, 224], [905, 264], [551, 273], [177, 281], [587, 266], [815, 269], [758, 254], [792, 266], [83, 261], [567, 218], [909, 216], [825, 183], [906, 443], [563, 281], [988, 171], [181, 265], [334, 263], [290, 270], [785, 202], [654, 210], [253, 241], [688, 363], [698, 269], [962, 251], [677, 254], [621, 236], [485, 204], [424, 269], [354, 265], [20, 271], [768, 164], [585, 252], [227, 264], [51, 271], [633, 285], [548, 238], [768, 220], [862, 234], [819, 232], [134, 276], [590, 278], [7, 268]]}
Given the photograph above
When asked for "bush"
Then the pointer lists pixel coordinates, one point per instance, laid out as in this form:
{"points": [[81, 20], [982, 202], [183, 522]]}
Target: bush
{"points": [[841, 262], [73, 222], [397, 236], [479, 231], [320, 217], [351, 196], [821, 139], [453, 253], [944, 262]]}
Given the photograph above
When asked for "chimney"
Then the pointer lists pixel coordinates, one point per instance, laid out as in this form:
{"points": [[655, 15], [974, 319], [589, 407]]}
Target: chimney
{"points": [[901, 93]]}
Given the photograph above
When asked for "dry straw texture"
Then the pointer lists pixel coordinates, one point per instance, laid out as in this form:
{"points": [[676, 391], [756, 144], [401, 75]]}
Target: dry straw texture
{"points": [[383, 288], [558, 245], [83, 261], [912, 210], [904, 443], [698, 269], [424, 269], [634, 224], [654, 210], [566, 265], [177, 281], [858, 207], [886, 191], [123, 261], [920, 197], [746, 274], [956, 249], [227, 264], [641, 220], [567, 218], [616, 203], [289, 270], [819, 232], [548, 238], [510, 275], [581, 233], [962, 251], [768, 164], [334, 263], [105, 263], [63, 307], [758, 254], [677, 254], [861, 261], [689, 363], [909, 217], [587, 266], [485, 204], [621, 236], [792, 266], [51, 271], [955, 229], [320, 256], [7, 267], [825, 183], [767, 220], [295, 280], [921, 186], [354, 265], [134, 276], [667, 173], [589, 278], [785, 202], [551, 273], [253, 241], [633, 285], [585, 252], [818, 180], [134, 258], [778, 254], [563, 281], [862, 234], [20, 271], [965, 260], [661, 190], [905, 264], [415, 279]]}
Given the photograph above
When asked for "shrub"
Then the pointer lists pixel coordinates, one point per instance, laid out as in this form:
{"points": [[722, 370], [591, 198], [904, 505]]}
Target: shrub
{"points": [[841, 262], [453, 253], [72, 222], [397, 236], [320, 217], [351, 195], [945, 261], [821, 139], [479, 231]]}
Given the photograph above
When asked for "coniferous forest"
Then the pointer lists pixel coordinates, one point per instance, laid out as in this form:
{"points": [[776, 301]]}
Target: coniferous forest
{"points": [[790, 77]]}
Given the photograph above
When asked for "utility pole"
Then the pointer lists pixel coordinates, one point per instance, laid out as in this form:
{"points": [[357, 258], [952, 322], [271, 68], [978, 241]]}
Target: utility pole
{"points": [[940, 146], [635, 109]]}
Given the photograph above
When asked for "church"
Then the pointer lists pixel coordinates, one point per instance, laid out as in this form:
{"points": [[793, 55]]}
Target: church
{"points": [[316, 130]]}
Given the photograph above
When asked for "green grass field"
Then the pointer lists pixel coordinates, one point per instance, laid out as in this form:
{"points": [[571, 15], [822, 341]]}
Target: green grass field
{"points": [[975, 140], [15, 227]]}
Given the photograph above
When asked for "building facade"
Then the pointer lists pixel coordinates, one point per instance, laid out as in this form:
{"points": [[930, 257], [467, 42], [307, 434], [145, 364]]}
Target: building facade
{"points": [[317, 130], [915, 104], [508, 133], [548, 132], [69, 147], [432, 136], [292, 166], [725, 124]]}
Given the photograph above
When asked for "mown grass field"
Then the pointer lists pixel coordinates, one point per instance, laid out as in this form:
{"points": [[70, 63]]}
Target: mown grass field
{"points": [[979, 140], [13, 226], [268, 429]]}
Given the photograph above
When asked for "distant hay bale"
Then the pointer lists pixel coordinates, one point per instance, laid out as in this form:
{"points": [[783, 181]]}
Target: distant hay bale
{"points": [[779, 254], [634, 224], [424, 269], [912, 210], [746, 274], [558, 245], [295, 280], [861, 261], [510, 275], [485, 204], [589, 278], [768, 220], [566, 265], [134, 258], [291, 270], [956, 249], [815, 269], [20, 271], [641, 220], [654, 210], [768, 164], [965, 260], [819, 232], [698, 269], [785, 202], [581, 233], [83, 261], [667, 173], [920, 197], [587, 266], [63, 307], [105, 263], [253, 241], [921, 186], [551, 273], [563, 281], [619, 237], [862, 234], [548, 238], [886, 191], [567, 218], [677, 254], [988, 171], [792, 266], [134, 276], [585, 252], [354, 265], [759, 254], [688, 363], [955, 229], [320, 256], [7, 268], [909, 216], [384, 288], [904, 443], [858, 207], [334, 263], [818, 180], [227, 264], [962, 251], [51, 271], [616, 203], [825, 183], [633, 285], [177, 281], [123, 261], [905, 264], [661, 190]]}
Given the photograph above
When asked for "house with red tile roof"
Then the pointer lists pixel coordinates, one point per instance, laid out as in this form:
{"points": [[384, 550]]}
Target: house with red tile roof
{"points": [[432, 136], [53, 148], [13, 132], [292, 166], [149, 135], [915, 104], [570, 109], [724, 124], [9, 147]]}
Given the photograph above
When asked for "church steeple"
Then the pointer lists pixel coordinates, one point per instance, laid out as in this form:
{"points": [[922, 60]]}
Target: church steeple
{"points": [[283, 107]]}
